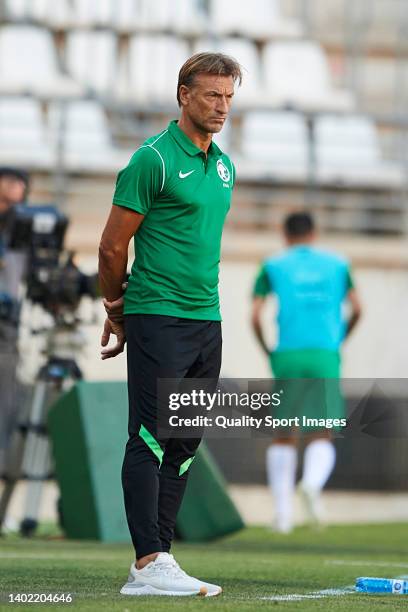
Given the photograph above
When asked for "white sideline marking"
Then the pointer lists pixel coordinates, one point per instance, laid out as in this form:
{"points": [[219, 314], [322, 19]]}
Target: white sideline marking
{"points": [[365, 563], [347, 590], [59, 556]]}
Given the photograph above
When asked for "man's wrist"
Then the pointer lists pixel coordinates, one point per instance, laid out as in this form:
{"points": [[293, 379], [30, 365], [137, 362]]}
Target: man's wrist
{"points": [[114, 309]]}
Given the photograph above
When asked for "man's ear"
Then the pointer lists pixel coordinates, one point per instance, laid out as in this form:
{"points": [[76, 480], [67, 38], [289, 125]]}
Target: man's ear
{"points": [[184, 95]]}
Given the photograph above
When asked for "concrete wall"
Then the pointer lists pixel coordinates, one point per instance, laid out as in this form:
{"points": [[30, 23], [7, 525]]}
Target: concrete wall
{"points": [[378, 348]]}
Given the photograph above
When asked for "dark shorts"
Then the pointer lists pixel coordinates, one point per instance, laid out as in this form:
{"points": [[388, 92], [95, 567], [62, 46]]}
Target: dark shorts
{"points": [[164, 347]]}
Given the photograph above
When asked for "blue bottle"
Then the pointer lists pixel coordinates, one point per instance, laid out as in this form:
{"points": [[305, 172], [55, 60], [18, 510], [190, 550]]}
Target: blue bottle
{"points": [[382, 585]]}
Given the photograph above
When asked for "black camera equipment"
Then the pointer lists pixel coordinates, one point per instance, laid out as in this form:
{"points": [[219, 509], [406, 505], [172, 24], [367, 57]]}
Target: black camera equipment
{"points": [[54, 282], [52, 278], [9, 309]]}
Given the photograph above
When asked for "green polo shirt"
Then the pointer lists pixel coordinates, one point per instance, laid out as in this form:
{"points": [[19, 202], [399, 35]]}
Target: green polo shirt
{"points": [[185, 197]]}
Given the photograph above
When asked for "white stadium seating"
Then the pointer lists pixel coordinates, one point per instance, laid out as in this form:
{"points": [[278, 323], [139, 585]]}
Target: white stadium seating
{"points": [[56, 14], [142, 69], [151, 16], [154, 63], [259, 19], [348, 151], [23, 139], [91, 58], [93, 12], [87, 143], [297, 74], [126, 15], [181, 16], [178, 16], [16, 9], [273, 145], [65, 12], [187, 17], [245, 52], [28, 63]]}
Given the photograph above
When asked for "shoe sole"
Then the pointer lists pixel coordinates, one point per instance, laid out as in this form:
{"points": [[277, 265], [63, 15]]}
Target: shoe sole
{"points": [[147, 589]]}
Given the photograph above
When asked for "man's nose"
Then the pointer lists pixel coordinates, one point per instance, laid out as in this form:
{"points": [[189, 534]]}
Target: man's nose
{"points": [[223, 105]]}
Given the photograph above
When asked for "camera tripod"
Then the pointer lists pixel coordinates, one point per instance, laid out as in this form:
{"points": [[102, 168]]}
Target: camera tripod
{"points": [[29, 455]]}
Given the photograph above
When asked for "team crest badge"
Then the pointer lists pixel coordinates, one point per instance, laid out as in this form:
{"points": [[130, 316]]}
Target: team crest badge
{"points": [[223, 171]]}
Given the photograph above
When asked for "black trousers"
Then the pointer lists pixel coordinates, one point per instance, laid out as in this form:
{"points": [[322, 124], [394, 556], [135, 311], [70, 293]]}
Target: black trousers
{"points": [[153, 484]]}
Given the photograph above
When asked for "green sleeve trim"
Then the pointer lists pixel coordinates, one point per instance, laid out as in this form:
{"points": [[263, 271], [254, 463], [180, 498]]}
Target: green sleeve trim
{"points": [[151, 442], [161, 159], [185, 465], [262, 284], [349, 280]]}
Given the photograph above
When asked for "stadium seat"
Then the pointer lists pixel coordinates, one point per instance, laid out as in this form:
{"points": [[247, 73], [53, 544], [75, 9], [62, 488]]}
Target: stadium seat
{"points": [[93, 12], [57, 14], [54, 14], [126, 15], [246, 53], [273, 145], [22, 134], [34, 68], [91, 59], [155, 17], [259, 19], [87, 141], [188, 17], [297, 74], [160, 56], [48, 12], [178, 16], [16, 9], [348, 151]]}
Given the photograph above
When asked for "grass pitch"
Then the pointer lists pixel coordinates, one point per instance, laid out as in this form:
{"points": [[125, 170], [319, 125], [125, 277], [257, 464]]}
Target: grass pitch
{"points": [[257, 569]]}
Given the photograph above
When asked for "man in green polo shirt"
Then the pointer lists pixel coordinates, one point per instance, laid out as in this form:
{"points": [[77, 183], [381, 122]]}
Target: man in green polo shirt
{"points": [[173, 197]]}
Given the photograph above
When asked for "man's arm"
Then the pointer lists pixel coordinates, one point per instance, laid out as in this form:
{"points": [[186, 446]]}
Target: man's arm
{"points": [[258, 304], [122, 224], [356, 310]]}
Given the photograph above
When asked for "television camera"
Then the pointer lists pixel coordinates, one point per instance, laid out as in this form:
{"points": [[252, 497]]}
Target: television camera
{"points": [[53, 281]]}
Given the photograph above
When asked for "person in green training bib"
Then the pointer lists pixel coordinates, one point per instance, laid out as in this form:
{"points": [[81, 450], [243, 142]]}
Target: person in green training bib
{"points": [[311, 286], [173, 198]]}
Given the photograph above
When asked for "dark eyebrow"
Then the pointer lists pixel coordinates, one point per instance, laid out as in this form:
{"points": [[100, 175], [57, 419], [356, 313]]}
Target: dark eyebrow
{"points": [[218, 93]]}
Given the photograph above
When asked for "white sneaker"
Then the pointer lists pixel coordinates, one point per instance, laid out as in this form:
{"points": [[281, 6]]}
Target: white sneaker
{"points": [[312, 504], [164, 576]]}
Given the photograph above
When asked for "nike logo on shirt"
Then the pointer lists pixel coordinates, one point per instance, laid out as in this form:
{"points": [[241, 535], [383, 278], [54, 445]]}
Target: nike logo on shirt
{"points": [[184, 174]]}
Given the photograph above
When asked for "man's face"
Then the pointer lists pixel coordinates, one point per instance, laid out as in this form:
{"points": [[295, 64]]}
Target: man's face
{"points": [[208, 101], [12, 190]]}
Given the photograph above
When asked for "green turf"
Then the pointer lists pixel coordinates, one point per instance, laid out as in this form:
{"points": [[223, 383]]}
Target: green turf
{"points": [[250, 565]]}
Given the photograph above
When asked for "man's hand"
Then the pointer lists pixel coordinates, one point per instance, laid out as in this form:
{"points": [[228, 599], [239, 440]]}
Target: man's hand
{"points": [[117, 329], [122, 224], [114, 309]]}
